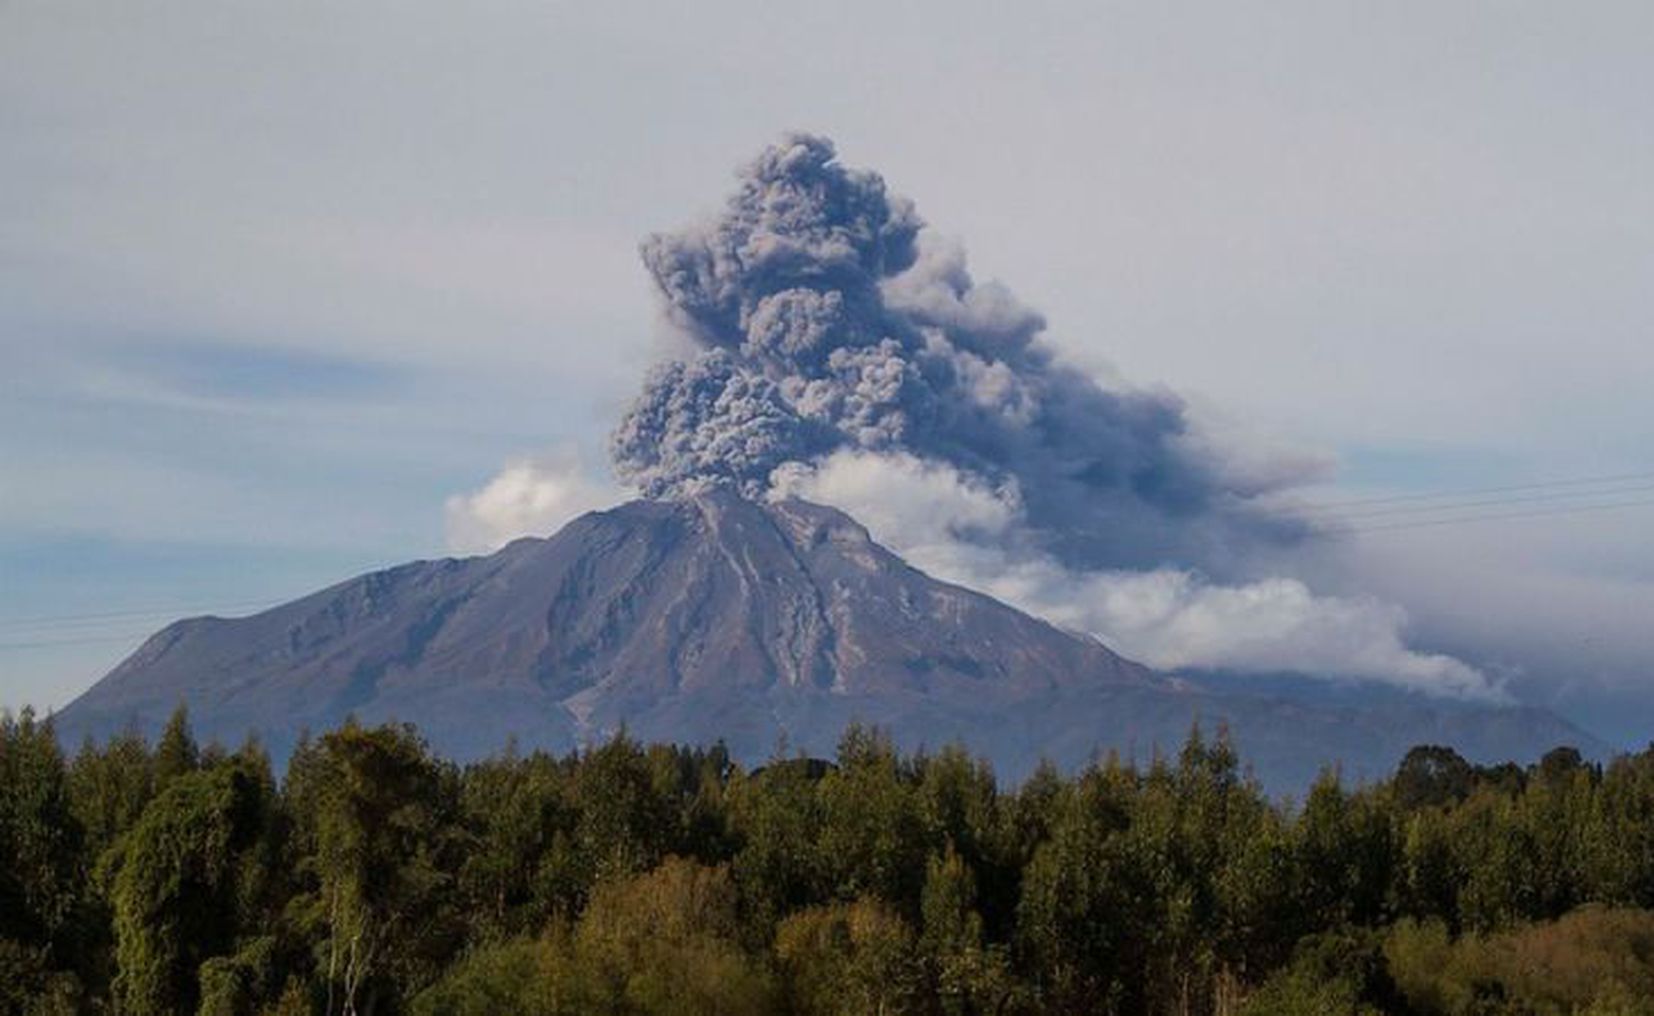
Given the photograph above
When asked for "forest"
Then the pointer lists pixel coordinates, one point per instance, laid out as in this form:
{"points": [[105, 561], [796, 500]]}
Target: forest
{"points": [[370, 877]]}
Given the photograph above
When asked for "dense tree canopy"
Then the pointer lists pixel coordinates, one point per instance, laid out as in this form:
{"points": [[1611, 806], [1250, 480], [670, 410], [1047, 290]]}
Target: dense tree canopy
{"points": [[374, 878]]}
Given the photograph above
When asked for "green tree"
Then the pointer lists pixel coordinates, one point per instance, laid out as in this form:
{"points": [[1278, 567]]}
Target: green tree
{"points": [[961, 808], [1497, 851], [657, 944], [520, 817], [109, 788], [236, 984], [1619, 835], [176, 753], [850, 959], [692, 782], [1593, 960], [30, 987], [385, 847], [1432, 776], [512, 977], [1432, 870], [965, 976], [779, 866], [665, 943], [873, 837], [625, 824], [1346, 852], [1087, 909], [1335, 974], [175, 887], [44, 906]]}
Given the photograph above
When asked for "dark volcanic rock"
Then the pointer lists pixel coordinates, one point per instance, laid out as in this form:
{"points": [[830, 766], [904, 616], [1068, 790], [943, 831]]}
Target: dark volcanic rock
{"points": [[719, 618]]}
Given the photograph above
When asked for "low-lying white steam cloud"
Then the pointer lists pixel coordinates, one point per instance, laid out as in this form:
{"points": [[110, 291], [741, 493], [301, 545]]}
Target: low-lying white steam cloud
{"points": [[966, 532], [529, 497]]}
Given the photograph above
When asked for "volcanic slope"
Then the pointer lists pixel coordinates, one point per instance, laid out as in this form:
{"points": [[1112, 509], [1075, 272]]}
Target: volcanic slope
{"points": [[765, 625]]}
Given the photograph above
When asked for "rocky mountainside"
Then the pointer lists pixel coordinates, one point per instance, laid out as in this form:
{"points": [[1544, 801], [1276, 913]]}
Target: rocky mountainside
{"points": [[765, 625]]}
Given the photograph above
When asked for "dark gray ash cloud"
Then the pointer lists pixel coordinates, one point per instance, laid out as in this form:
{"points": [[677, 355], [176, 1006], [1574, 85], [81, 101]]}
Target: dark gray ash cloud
{"points": [[845, 354], [828, 318]]}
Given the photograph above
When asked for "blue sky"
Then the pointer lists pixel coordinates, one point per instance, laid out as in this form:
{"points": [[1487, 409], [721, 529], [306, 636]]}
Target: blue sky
{"points": [[277, 282]]}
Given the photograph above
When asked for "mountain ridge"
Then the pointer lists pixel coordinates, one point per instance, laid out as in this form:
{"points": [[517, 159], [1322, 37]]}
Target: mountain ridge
{"points": [[718, 618]]}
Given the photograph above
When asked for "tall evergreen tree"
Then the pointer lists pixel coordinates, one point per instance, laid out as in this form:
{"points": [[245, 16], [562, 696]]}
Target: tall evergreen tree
{"points": [[176, 753], [178, 888]]}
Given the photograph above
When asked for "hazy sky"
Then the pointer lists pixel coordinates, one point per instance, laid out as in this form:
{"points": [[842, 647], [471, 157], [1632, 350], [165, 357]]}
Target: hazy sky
{"points": [[278, 280]]}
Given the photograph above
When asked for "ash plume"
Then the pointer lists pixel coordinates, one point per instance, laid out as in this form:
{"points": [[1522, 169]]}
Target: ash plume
{"points": [[844, 354], [829, 319]]}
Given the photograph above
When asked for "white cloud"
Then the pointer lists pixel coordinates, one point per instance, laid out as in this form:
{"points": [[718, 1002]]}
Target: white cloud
{"points": [[1173, 619], [529, 497], [903, 499], [963, 530]]}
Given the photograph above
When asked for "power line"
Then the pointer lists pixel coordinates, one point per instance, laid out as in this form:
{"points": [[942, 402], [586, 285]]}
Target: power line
{"points": [[44, 632], [1555, 495], [1475, 491], [114, 615], [48, 643], [1534, 513]]}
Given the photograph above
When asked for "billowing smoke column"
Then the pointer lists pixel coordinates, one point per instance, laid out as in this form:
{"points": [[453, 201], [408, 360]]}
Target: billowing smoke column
{"points": [[828, 322], [845, 356]]}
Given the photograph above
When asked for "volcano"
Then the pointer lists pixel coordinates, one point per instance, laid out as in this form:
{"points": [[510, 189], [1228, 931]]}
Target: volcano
{"points": [[769, 626]]}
